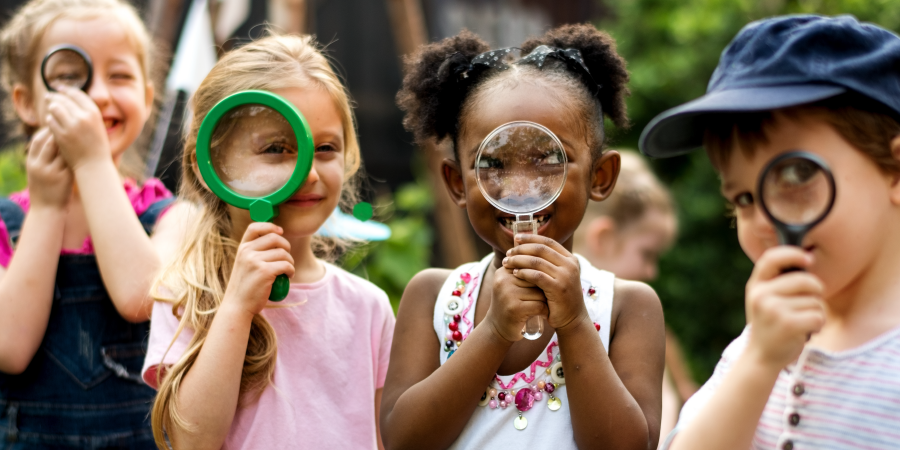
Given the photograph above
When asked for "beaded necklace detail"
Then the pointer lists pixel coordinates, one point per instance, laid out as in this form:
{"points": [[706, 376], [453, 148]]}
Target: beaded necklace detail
{"points": [[455, 314]]}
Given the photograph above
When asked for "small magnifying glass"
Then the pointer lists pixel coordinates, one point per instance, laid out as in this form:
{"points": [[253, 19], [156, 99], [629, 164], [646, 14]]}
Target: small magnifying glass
{"points": [[67, 65], [796, 191], [254, 151], [521, 169]]}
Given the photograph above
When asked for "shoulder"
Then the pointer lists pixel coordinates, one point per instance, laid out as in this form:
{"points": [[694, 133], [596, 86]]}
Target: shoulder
{"points": [[422, 291], [635, 298], [351, 284]]}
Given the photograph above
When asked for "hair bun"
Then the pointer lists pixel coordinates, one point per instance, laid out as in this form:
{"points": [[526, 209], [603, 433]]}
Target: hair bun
{"points": [[431, 95], [598, 49]]}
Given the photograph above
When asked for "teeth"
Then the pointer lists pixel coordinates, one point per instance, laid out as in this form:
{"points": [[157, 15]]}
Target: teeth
{"points": [[509, 221]]}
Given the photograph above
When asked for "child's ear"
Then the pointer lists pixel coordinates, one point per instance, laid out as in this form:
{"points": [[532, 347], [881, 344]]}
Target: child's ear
{"points": [[148, 96], [24, 104], [895, 186], [453, 180], [604, 174]]}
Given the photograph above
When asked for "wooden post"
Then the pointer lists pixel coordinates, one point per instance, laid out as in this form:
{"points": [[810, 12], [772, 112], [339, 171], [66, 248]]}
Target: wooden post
{"points": [[456, 241]]}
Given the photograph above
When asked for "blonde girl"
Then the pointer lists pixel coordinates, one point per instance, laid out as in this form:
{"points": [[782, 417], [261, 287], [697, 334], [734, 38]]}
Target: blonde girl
{"points": [[230, 371], [73, 302]]}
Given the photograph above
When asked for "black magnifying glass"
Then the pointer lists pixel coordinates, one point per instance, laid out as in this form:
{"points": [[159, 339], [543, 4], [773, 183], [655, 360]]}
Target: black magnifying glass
{"points": [[67, 66], [796, 191]]}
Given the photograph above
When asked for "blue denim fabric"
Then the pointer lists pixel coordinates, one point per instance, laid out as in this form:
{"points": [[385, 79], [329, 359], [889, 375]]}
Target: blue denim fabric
{"points": [[82, 389]]}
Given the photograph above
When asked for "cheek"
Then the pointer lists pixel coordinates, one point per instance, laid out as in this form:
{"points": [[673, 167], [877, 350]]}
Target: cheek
{"points": [[750, 243], [331, 172]]}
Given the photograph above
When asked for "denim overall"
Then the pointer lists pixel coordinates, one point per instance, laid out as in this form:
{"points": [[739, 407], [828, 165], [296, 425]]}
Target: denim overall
{"points": [[83, 387]]}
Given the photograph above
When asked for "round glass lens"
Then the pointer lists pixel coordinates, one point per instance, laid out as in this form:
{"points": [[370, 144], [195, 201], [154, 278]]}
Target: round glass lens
{"points": [[521, 167], [797, 191], [253, 150], [66, 67]]}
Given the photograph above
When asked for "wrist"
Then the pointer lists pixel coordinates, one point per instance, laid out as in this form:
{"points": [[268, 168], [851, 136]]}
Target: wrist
{"points": [[234, 312], [756, 358], [92, 164], [580, 323]]}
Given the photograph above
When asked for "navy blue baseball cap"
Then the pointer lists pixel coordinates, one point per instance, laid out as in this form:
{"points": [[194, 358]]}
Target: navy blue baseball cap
{"points": [[783, 62]]}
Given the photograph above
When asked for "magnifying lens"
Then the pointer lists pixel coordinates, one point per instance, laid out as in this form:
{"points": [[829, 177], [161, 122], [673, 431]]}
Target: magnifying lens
{"points": [[521, 168], [254, 151], [796, 191], [66, 65]]}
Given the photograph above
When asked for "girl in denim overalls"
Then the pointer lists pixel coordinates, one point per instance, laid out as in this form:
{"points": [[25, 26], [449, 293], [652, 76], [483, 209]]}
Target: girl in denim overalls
{"points": [[76, 262]]}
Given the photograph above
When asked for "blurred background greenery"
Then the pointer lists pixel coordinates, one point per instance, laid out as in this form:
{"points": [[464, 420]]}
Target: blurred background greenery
{"points": [[672, 47]]}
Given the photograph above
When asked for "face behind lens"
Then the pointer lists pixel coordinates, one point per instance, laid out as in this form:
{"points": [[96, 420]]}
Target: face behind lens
{"points": [[521, 168], [797, 191], [66, 66], [253, 150]]}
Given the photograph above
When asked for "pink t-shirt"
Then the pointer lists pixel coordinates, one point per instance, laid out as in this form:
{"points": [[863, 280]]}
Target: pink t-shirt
{"points": [[333, 351], [141, 198]]}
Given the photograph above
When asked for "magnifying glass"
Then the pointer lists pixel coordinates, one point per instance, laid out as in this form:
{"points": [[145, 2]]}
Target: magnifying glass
{"points": [[521, 169], [254, 151], [796, 191], [66, 65]]}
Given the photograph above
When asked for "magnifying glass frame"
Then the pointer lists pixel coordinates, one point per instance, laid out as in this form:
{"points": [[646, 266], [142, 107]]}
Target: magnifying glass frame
{"points": [[791, 234], [265, 208], [262, 209], [76, 49], [525, 223]]}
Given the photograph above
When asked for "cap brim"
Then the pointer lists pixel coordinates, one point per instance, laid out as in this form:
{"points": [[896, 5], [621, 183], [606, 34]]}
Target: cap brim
{"points": [[680, 130]]}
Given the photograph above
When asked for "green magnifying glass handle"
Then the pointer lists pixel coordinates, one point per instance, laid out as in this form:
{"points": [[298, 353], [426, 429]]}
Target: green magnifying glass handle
{"points": [[280, 288]]}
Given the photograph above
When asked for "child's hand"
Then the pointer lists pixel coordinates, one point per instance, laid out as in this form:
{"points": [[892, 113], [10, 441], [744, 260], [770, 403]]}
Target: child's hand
{"points": [[78, 127], [513, 301], [263, 255], [49, 179], [783, 309], [549, 266]]}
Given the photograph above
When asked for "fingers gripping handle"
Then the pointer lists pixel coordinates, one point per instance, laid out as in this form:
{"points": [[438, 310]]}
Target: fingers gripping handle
{"points": [[280, 288], [534, 326]]}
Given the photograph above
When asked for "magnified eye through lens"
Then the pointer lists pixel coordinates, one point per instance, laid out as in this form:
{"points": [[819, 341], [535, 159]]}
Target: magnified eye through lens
{"points": [[797, 191], [253, 150], [521, 167], [66, 67]]}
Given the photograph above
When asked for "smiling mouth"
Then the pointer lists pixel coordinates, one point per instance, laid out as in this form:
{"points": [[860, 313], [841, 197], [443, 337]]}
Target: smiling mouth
{"points": [[110, 123], [508, 222]]}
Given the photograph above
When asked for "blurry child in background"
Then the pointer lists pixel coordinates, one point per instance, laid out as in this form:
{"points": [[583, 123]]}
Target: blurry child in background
{"points": [[625, 234]]}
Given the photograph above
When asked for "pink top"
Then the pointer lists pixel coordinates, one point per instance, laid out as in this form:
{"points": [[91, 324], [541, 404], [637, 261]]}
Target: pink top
{"points": [[141, 198], [333, 349]]}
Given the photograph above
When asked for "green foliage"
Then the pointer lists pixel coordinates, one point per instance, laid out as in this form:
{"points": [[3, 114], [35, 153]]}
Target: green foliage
{"points": [[12, 170], [672, 48], [392, 263]]}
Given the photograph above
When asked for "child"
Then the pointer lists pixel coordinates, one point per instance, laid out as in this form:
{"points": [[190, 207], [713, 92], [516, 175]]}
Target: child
{"points": [[491, 393], [817, 365], [73, 301], [625, 234], [213, 342]]}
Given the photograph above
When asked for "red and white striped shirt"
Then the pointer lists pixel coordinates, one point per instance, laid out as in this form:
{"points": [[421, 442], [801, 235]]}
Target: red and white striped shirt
{"points": [[837, 400]]}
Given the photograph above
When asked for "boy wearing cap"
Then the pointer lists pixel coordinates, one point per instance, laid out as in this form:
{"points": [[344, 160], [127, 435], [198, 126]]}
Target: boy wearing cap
{"points": [[818, 366]]}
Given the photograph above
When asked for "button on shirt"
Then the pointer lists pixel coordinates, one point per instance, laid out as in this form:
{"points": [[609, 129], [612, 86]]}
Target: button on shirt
{"points": [[837, 400]]}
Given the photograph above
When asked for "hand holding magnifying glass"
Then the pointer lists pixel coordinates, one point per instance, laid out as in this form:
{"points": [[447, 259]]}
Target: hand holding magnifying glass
{"points": [[521, 169]]}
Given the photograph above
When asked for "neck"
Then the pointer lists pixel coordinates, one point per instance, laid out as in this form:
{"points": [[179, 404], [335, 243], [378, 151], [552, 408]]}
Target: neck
{"points": [[308, 268]]}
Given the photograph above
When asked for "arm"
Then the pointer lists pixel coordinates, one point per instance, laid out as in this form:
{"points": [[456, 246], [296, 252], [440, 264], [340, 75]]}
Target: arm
{"points": [[127, 275], [614, 398], [209, 393], [171, 230], [783, 309], [26, 289], [377, 421], [416, 410]]}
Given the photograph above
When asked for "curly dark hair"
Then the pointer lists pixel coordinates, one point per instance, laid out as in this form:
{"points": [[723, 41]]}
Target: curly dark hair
{"points": [[435, 103]]}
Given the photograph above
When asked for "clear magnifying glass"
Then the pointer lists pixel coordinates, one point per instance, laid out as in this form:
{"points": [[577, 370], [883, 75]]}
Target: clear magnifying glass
{"points": [[521, 169], [796, 191], [66, 65], [254, 151]]}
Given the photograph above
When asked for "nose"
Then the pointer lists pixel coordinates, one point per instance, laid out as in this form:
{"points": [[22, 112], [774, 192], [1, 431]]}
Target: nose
{"points": [[762, 225], [99, 91], [313, 176]]}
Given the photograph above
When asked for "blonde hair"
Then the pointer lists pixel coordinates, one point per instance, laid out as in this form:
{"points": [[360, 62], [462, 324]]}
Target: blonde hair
{"points": [[20, 38], [637, 191], [198, 276]]}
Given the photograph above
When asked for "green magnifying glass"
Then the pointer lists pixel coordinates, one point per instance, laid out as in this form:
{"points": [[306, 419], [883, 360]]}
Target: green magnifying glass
{"points": [[254, 151]]}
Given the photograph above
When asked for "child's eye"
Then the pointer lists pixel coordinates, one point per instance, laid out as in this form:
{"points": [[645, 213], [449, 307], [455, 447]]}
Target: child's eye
{"points": [[276, 148], [489, 163], [552, 158], [326, 148], [122, 76], [743, 200]]}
